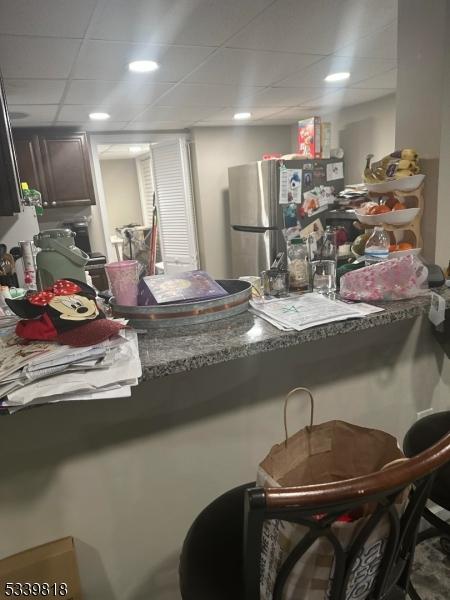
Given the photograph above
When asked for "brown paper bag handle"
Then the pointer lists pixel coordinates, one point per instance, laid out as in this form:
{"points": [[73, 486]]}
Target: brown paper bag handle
{"points": [[311, 398]]}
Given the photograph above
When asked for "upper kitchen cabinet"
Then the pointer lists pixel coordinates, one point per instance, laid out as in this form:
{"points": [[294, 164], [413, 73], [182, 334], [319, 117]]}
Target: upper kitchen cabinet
{"points": [[29, 159], [56, 162], [9, 179]]}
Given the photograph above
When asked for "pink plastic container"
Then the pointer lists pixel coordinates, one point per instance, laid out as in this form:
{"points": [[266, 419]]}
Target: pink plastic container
{"points": [[123, 280]]}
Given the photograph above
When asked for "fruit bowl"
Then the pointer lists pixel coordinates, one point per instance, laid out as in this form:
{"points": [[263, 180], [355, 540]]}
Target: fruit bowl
{"points": [[393, 217], [399, 253], [406, 184]]}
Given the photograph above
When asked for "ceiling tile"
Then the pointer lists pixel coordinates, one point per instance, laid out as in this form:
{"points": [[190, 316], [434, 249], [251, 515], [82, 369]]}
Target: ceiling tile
{"points": [[387, 80], [92, 126], [197, 22], [96, 91], [37, 57], [158, 125], [59, 18], [175, 113], [118, 112], [34, 91], [286, 96], [359, 69], [347, 97], [197, 94], [109, 60], [290, 114], [228, 113], [250, 67], [40, 114], [381, 44], [298, 26]]}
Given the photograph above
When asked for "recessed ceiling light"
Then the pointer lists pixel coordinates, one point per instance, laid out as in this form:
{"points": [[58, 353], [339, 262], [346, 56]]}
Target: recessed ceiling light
{"points": [[18, 115], [99, 116], [337, 76], [135, 149], [143, 66], [241, 116]]}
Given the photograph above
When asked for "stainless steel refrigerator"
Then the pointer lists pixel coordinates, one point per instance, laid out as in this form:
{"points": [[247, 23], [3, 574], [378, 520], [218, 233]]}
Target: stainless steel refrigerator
{"points": [[258, 218]]}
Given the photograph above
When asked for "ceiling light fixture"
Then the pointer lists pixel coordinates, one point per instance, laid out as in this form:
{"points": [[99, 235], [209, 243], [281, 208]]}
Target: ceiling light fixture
{"points": [[241, 116], [337, 76], [99, 116], [143, 66], [135, 149]]}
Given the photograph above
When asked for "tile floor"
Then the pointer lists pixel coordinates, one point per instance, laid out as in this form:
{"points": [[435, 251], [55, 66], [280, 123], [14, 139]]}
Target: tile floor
{"points": [[431, 571]]}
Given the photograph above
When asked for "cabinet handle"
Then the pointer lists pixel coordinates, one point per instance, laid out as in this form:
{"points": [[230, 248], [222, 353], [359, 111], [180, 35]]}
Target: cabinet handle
{"points": [[53, 203], [45, 203]]}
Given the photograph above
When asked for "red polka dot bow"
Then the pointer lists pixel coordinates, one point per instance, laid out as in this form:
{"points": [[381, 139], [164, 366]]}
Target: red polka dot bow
{"points": [[62, 287]]}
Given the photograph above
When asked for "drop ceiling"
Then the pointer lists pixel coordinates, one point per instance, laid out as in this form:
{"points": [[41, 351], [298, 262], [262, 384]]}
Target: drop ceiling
{"points": [[122, 151], [62, 59]]}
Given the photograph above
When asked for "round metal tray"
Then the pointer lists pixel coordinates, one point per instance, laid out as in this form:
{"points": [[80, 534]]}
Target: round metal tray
{"points": [[189, 313]]}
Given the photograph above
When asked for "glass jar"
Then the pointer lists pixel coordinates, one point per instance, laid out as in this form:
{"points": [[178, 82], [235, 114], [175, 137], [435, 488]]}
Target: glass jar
{"points": [[298, 265]]}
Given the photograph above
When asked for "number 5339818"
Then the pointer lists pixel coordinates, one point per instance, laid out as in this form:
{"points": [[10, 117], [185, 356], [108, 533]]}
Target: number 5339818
{"points": [[22, 590]]}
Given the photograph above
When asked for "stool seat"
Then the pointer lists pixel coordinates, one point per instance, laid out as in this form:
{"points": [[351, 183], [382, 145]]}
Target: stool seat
{"points": [[422, 435]]}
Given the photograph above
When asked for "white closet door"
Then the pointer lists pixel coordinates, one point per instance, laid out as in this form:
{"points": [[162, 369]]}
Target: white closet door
{"points": [[146, 188], [175, 206]]}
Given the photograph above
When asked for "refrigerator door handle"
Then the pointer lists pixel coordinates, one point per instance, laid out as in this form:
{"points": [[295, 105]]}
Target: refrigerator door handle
{"points": [[253, 229]]}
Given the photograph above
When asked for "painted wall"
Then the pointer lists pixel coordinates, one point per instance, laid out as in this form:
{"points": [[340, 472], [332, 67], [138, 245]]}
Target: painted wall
{"points": [[214, 150], [367, 128], [121, 187], [128, 477]]}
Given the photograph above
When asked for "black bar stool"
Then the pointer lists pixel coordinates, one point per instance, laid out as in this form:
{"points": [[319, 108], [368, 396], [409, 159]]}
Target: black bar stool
{"points": [[421, 436], [221, 556]]}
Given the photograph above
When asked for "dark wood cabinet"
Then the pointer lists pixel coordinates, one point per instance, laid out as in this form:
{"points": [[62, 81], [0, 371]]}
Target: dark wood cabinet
{"points": [[9, 178], [56, 162], [28, 156]]}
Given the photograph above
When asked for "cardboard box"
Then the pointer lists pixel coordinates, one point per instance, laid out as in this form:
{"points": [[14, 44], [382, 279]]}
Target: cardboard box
{"points": [[308, 138], [53, 565]]}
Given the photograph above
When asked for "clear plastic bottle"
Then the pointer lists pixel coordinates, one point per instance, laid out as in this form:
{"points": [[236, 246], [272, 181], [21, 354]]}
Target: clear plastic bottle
{"points": [[377, 246]]}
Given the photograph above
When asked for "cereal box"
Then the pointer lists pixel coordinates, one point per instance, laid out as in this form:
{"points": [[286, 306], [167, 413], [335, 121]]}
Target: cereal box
{"points": [[308, 138]]}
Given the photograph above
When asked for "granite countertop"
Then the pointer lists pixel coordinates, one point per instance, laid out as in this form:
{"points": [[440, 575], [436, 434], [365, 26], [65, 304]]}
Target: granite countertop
{"points": [[167, 351]]}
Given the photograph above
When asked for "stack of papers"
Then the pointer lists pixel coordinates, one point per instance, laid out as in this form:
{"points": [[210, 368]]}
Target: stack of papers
{"points": [[297, 313], [45, 372]]}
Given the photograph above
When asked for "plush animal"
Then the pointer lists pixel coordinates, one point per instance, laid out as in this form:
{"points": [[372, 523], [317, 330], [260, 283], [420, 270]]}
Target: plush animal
{"points": [[67, 312]]}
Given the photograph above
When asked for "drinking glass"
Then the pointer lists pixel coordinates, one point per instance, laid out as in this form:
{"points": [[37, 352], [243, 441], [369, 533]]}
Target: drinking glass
{"points": [[123, 280], [275, 283], [322, 250], [323, 275]]}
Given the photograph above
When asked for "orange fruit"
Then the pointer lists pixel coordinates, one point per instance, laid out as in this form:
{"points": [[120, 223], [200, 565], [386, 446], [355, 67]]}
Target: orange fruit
{"points": [[405, 246], [399, 206]]}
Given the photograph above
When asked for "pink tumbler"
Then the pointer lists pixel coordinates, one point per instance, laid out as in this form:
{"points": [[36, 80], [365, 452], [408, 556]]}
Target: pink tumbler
{"points": [[123, 280]]}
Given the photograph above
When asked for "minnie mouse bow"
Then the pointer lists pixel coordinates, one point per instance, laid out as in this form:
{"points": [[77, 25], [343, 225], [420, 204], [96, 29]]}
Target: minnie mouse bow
{"points": [[62, 287]]}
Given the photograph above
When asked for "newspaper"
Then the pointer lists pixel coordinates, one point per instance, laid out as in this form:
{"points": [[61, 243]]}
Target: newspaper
{"points": [[297, 313]]}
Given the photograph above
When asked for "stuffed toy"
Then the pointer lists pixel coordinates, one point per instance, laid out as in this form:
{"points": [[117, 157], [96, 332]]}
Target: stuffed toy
{"points": [[67, 313]]}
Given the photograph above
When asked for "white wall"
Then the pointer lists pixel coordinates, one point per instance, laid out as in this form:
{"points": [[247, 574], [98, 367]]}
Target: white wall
{"points": [[216, 149], [121, 187], [367, 128], [128, 477]]}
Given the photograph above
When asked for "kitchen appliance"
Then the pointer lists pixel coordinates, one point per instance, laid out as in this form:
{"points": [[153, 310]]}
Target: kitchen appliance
{"points": [[81, 230], [22, 226], [256, 216], [59, 258]]}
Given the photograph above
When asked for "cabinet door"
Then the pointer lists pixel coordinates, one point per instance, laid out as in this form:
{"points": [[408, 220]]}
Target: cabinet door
{"points": [[9, 179], [67, 169], [28, 160]]}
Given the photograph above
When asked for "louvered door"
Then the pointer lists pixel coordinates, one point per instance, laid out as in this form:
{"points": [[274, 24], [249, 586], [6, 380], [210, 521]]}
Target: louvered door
{"points": [[175, 206], [146, 187]]}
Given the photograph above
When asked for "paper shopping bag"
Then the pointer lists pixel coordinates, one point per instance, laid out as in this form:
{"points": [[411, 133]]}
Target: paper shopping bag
{"points": [[328, 452]]}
